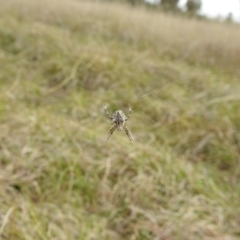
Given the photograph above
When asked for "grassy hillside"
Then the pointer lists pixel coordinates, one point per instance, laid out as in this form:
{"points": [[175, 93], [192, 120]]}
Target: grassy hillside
{"points": [[61, 62]]}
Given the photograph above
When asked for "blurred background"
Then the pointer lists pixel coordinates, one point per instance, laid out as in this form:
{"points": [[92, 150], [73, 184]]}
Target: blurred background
{"points": [[176, 63], [221, 10]]}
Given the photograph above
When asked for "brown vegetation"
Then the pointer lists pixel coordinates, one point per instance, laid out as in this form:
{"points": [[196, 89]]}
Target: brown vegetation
{"points": [[61, 62]]}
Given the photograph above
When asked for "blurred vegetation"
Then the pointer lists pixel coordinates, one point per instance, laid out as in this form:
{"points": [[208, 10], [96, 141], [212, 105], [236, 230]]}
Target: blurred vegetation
{"points": [[61, 62], [169, 4], [192, 6]]}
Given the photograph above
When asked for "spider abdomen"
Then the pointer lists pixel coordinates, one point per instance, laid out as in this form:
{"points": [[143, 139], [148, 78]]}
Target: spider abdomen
{"points": [[119, 117]]}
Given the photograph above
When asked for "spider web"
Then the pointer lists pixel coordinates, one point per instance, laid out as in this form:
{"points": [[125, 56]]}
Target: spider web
{"points": [[156, 93], [141, 97]]}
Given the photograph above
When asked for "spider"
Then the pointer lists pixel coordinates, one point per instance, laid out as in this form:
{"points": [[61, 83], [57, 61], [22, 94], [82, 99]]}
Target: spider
{"points": [[119, 121]]}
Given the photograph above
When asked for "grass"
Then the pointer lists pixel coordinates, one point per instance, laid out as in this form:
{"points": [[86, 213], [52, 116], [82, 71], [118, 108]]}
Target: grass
{"points": [[61, 62]]}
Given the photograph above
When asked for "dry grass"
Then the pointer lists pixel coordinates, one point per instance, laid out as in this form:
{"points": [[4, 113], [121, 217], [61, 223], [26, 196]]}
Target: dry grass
{"points": [[61, 61]]}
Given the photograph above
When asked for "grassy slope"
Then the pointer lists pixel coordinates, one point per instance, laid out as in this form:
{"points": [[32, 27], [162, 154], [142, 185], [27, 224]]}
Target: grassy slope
{"points": [[60, 63]]}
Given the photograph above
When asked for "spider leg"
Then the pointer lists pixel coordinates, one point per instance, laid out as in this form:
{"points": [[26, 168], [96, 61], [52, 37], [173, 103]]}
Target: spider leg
{"points": [[129, 113], [106, 111], [111, 131], [129, 134]]}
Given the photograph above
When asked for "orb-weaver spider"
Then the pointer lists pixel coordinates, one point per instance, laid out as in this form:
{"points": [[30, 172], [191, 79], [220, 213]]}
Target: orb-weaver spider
{"points": [[119, 121]]}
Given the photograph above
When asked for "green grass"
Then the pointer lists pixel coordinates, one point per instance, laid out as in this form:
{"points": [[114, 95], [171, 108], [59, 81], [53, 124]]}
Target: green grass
{"points": [[61, 62]]}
